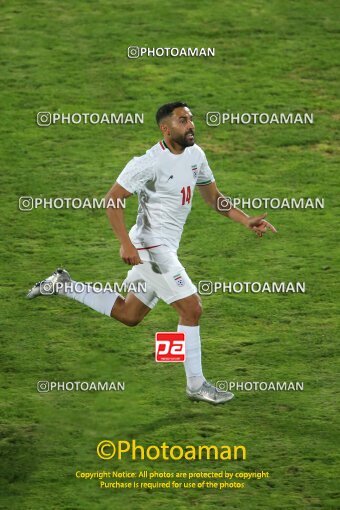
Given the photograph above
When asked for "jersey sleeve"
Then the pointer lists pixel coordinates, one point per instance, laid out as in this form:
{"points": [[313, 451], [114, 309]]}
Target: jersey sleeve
{"points": [[205, 175], [137, 173]]}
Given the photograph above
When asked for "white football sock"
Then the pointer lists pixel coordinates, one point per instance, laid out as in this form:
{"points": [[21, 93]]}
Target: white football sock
{"points": [[192, 364], [101, 302]]}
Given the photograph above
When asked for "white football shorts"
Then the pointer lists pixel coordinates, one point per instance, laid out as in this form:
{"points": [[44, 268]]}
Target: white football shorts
{"points": [[164, 276]]}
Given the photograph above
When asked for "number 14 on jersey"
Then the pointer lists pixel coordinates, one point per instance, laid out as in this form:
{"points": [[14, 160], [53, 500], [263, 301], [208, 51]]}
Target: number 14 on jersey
{"points": [[186, 195]]}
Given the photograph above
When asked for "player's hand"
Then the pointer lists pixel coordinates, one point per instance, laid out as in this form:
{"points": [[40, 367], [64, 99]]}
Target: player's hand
{"points": [[259, 225], [130, 254]]}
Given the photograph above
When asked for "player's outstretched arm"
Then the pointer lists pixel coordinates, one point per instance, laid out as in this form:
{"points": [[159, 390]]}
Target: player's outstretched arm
{"points": [[223, 205], [114, 210]]}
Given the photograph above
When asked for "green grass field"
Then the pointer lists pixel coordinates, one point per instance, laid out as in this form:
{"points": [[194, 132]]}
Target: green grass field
{"points": [[271, 56]]}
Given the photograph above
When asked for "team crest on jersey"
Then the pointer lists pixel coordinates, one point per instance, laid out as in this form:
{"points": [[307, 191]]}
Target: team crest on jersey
{"points": [[179, 280], [194, 171]]}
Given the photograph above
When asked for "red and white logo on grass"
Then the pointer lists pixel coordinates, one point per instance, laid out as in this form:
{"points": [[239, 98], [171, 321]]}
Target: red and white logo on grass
{"points": [[170, 347]]}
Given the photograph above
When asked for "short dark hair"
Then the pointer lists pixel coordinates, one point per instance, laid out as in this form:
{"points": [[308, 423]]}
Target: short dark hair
{"points": [[167, 109]]}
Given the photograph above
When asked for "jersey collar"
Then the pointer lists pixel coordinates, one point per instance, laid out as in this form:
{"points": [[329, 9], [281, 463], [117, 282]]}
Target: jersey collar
{"points": [[164, 146]]}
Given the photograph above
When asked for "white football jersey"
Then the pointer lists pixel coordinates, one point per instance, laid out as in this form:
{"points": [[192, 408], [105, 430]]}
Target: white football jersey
{"points": [[165, 184]]}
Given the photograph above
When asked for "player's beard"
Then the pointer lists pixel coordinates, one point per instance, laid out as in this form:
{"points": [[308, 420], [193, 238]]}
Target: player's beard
{"points": [[185, 140]]}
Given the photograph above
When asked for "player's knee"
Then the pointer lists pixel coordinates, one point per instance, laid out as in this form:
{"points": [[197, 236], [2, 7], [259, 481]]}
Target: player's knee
{"points": [[193, 312], [133, 321], [197, 311]]}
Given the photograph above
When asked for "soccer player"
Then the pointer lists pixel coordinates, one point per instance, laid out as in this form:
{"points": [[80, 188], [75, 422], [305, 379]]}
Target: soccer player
{"points": [[164, 179]]}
